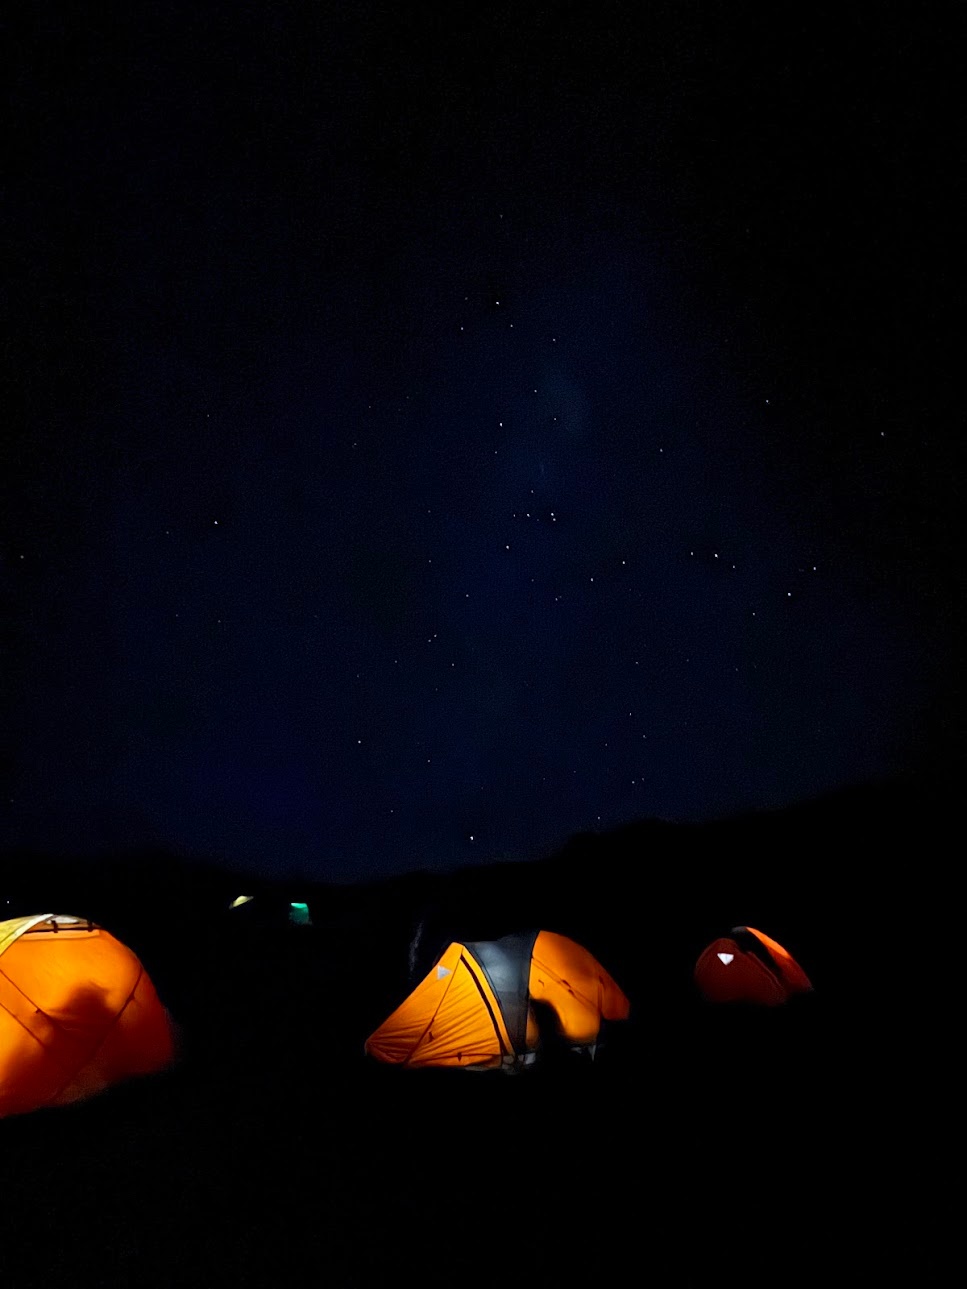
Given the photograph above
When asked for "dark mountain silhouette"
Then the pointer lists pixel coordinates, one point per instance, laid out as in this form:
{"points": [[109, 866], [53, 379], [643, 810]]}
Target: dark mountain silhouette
{"points": [[699, 1136]]}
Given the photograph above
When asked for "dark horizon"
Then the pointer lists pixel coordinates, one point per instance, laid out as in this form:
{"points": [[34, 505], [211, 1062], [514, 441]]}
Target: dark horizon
{"points": [[837, 832], [428, 443]]}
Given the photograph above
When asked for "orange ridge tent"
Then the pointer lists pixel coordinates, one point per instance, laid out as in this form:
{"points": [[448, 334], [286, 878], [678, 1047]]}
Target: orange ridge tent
{"points": [[476, 1007], [78, 1013], [747, 966]]}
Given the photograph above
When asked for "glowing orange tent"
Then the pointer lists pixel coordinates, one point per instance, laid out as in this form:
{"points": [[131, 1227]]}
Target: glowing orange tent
{"points": [[77, 1013], [748, 967], [476, 1007]]}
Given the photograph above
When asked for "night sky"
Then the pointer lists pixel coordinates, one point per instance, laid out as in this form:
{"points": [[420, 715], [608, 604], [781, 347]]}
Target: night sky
{"points": [[434, 431]]}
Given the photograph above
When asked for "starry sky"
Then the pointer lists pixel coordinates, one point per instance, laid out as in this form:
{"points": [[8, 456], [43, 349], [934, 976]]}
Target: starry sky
{"points": [[430, 435]]}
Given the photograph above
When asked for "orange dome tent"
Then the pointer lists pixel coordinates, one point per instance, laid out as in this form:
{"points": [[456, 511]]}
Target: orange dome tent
{"points": [[748, 967], [77, 1013], [476, 1007]]}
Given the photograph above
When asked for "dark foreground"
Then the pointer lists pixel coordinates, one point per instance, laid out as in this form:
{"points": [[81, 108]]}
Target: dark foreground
{"points": [[360, 1178], [730, 1149]]}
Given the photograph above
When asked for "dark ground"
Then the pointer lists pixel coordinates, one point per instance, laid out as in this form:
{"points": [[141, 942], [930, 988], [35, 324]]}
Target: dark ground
{"points": [[704, 1147]]}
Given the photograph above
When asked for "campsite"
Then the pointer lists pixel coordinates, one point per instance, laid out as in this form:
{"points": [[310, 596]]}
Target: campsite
{"points": [[481, 646], [702, 1145]]}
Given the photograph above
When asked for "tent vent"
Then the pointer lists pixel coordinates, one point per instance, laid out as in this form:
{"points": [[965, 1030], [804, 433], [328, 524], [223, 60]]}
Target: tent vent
{"points": [[725, 958], [441, 972]]}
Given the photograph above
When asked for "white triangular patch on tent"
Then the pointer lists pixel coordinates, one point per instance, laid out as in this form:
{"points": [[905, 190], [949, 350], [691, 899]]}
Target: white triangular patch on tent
{"points": [[441, 972], [725, 958]]}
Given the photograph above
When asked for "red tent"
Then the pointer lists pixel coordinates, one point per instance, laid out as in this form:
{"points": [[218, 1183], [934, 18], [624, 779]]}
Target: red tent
{"points": [[746, 966]]}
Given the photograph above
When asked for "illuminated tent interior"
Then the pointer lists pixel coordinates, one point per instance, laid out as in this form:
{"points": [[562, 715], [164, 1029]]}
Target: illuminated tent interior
{"points": [[478, 1007], [747, 966], [252, 908], [78, 1013]]}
